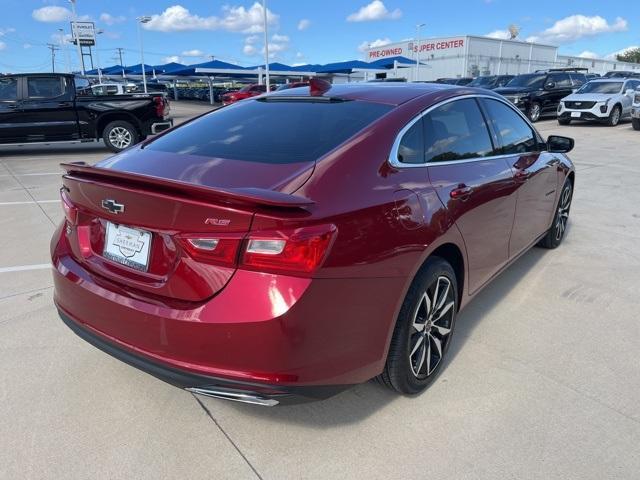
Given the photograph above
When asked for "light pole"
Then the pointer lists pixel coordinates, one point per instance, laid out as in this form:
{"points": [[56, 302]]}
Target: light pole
{"points": [[74, 35], [418, 49], [98, 32], [266, 44], [63, 45], [143, 19]]}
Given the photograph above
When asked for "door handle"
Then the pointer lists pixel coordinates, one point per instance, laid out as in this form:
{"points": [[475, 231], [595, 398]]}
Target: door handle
{"points": [[12, 106], [461, 192], [64, 104]]}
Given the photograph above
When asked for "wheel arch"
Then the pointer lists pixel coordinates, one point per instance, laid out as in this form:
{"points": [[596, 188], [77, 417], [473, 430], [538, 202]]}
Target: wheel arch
{"points": [[452, 254]]}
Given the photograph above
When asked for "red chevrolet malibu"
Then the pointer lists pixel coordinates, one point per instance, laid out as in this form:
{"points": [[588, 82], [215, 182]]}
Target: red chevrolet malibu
{"points": [[245, 92], [288, 246]]}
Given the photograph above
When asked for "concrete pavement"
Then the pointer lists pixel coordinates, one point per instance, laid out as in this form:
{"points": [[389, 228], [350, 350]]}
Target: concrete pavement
{"points": [[542, 381]]}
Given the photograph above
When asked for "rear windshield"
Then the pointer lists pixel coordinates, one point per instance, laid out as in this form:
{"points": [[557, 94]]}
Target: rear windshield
{"points": [[482, 81], [601, 87], [530, 81], [271, 131]]}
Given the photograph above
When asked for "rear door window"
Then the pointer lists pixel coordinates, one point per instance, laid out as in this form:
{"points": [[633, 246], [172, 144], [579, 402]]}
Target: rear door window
{"points": [[562, 80], [8, 88], [456, 131], [44, 87], [274, 131], [411, 149]]}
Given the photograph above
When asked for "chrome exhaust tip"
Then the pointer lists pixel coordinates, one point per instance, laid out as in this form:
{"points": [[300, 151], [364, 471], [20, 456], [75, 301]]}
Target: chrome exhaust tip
{"points": [[234, 396]]}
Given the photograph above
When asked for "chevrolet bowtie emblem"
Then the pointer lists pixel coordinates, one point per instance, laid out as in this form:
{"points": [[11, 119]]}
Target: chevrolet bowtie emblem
{"points": [[112, 206]]}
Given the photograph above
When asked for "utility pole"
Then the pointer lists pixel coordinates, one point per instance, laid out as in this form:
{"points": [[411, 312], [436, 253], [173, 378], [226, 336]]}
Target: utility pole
{"points": [[63, 44], [53, 49], [418, 50], [120, 50], [141, 21], [266, 45], [74, 35]]}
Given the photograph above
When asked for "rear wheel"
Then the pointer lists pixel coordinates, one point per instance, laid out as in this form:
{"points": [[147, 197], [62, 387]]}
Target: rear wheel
{"points": [[614, 116], [635, 122], [554, 236], [534, 111], [423, 329], [564, 121], [119, 135]]}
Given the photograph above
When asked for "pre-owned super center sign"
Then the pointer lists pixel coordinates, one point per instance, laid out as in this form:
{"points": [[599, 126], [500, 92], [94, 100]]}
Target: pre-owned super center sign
{"points": [[444, 46], [85, 32]]}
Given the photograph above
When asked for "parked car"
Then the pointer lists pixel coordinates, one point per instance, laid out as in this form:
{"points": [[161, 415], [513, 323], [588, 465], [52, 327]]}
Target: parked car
{"points": [[248, 91], [635, 110], [592, 76], [604, 100], [235, 256], [490, 82], [455, 81], [286, 86], [622, 74], [539, 94], [48, 107], [114, 88]]}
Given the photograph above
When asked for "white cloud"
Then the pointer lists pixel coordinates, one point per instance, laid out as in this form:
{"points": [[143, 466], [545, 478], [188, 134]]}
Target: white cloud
{"points": [[235, 19], [574, 27], [61, 38], [55, 14], [375, 10], [612, 56], [277, 44], [304, 24], [379, 42], [3, 45], [279, 38], [589, 54], [249, 50], [500, 34], [51, 13], [27, 46], [193, 53], [299, 55], [171, 59], [4, 31], [109, 19]]}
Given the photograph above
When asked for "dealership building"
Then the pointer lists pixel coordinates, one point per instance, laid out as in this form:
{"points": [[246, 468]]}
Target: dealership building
{"points": [[471, 56]]}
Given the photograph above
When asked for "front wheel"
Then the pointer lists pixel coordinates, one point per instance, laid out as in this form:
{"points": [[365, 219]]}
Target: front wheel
{"points": [[635, 122], [119, 135], [534, 111], [423, 329], [555, 234], [614, 116]]}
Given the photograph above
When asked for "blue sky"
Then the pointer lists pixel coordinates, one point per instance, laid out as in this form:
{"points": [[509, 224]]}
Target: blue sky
{"points": [[302, 31]]}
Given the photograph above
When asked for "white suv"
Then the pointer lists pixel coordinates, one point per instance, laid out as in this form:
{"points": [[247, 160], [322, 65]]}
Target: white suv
{"points": [[604, 100], [635, 110]]}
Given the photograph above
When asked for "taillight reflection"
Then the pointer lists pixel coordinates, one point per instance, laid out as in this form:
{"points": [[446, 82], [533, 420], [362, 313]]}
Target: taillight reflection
{"points": [[222, 250], [70, 212]]}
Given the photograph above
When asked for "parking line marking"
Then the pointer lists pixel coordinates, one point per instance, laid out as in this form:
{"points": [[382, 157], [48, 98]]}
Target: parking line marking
{"points": [[24, 268], [29, 202], [30, 174]]}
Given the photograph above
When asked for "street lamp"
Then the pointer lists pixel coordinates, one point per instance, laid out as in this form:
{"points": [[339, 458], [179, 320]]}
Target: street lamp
{"points": [[143, 19], [98, 32], [418, 49], [63, 44], [74, 35], [266, 44]]}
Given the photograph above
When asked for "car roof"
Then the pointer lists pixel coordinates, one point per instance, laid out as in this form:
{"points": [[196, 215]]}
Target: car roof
{"points": [[392, 93]]}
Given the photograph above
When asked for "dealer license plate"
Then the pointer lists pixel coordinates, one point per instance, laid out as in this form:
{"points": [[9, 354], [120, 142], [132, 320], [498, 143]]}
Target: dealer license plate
{"points": [[127, 246], [575, 114]]}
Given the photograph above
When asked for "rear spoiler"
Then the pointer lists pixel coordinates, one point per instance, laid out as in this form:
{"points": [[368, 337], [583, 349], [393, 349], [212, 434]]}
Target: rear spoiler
{"points": [[245, 196]]}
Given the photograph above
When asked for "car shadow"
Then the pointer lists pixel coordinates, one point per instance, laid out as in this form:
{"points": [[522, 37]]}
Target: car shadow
{"points": [[361, 401], [52, 149]]}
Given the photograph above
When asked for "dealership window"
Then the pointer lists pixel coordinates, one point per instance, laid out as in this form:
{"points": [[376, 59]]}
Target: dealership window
{"points": [[456, 131], [411, 149], [515, 134], [8, 88], [44, 87]]}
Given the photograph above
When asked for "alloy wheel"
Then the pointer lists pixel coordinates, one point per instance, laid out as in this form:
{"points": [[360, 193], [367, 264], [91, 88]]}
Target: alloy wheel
{"points": [[431, 327], [563, 212], [615, 116], [535, 112], [120, 137]]}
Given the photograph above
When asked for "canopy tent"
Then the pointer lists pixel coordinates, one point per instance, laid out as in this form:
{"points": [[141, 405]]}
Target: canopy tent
{"points": [[168, 68], [190, 70], [390, 62], [137, 69], [348, 67]]}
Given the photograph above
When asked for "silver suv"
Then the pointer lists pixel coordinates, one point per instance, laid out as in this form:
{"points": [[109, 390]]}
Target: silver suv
{"points": [[605, 100]]}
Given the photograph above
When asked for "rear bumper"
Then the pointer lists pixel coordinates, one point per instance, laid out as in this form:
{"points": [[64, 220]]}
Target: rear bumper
{"points": [[161, 127], [635, 112], [247, 392]]}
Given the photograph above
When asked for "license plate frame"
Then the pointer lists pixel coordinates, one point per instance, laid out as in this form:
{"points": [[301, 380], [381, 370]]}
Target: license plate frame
{"points": [[128, 246], [576, 114]]}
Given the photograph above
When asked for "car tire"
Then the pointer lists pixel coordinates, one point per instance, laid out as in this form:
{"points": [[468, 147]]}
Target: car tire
{"points": [[564, 121], [614, 116], [635, 123], [555, 234], [423, 330], [119, 135], [534, 111]]}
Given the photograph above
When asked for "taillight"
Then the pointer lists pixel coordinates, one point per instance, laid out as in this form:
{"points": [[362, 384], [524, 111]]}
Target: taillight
{"points": [[299, 252], [159, 101], [70, 212], [215, 249]]}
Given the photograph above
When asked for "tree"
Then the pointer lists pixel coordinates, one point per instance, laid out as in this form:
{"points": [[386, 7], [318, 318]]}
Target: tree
{"points": [[632, 55]]}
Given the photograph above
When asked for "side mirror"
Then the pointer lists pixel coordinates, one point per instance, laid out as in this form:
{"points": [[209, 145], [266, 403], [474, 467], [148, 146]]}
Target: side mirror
{"points": [[550, 85], [558, 144], [630, 92]]}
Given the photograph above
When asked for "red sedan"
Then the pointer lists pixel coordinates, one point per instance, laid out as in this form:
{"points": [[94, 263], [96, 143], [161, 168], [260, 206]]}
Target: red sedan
{"points": [[245, 92], [286, 247]]}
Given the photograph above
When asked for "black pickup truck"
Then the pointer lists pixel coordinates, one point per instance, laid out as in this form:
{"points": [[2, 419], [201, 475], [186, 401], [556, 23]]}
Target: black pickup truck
{"points": [[52, 107]]}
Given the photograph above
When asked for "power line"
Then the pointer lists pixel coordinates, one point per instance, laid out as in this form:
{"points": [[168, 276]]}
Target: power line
{"points": [[53, 49]]}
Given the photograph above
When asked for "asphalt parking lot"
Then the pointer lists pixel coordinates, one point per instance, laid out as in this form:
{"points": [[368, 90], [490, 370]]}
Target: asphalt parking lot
{"points": [[543, 379]]}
